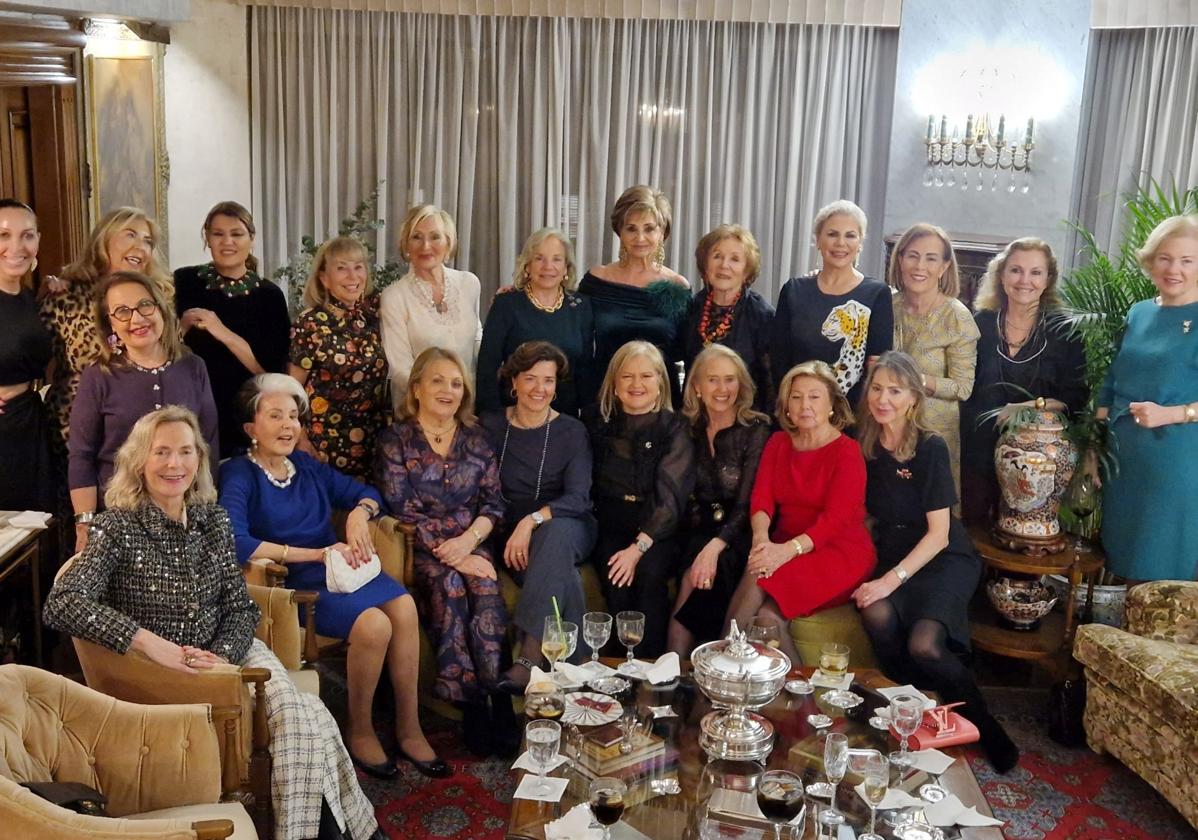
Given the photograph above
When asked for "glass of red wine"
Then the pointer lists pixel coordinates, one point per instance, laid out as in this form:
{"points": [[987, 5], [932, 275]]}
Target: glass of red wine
{"points": [[780, 797], [607, 797]]}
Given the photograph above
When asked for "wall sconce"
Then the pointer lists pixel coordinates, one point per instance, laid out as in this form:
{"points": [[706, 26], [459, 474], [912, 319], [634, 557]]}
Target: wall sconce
{"points": [[981, 148]]}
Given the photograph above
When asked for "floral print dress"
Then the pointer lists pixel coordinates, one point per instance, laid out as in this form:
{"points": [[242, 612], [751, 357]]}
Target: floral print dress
{"points": [[464, 615], [341, 351]]}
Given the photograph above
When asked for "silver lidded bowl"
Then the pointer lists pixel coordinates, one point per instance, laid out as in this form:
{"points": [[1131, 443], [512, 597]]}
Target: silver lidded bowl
{"points": [[738, 676]]}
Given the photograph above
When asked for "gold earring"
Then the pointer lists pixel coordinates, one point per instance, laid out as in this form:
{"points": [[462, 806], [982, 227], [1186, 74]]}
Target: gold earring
{"points": [[623, 257], [831, 413], [33, 265], [659, 256]]}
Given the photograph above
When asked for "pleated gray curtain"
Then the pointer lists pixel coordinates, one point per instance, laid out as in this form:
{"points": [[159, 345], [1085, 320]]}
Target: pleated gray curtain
{"points": [[514, 123], [1140, 121]]}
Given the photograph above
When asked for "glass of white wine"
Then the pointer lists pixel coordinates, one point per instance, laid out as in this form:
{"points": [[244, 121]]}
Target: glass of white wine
{"points": [[558, 642], [836, 764], [876, 783]]}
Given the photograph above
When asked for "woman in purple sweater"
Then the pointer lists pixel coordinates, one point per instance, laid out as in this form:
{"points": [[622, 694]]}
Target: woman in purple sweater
{"points": [[143, 366]]}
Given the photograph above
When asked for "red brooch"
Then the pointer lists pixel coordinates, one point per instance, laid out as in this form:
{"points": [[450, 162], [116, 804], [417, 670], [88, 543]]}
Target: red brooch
{"points": [[903, 472]]}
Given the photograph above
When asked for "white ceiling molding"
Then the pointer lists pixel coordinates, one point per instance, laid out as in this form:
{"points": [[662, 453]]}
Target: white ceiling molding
{"points": [[157, 11], [1141, 14], [885, 13]]}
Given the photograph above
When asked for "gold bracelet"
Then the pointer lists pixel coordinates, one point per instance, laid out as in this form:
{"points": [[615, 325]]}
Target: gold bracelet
{"points": [[286, 548], [798, 546], [477, 536], [1191, 412]]}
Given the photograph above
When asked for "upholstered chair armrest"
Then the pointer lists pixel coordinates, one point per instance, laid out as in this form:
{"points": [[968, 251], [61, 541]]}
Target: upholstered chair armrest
{"points": [[1165, 610], [261, 571], [280, 629], [393, 541]]}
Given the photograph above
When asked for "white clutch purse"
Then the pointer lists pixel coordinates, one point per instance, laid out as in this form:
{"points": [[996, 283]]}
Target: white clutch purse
{"points": [[339, 577]]}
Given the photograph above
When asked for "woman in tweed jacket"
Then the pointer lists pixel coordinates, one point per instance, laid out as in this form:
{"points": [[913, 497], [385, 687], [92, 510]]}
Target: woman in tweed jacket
{"points": [[159, 575]]}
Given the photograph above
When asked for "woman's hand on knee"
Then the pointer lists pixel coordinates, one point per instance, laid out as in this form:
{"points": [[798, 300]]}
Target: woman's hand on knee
{"points": [[766, 558], [873, 591], [703, 569], [455, 549], [621, 566], [516, 551], [476, 566]]}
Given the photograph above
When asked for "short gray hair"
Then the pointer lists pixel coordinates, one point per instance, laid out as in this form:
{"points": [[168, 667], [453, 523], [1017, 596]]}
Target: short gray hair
{"points": [[256, 387], [841, 207]]}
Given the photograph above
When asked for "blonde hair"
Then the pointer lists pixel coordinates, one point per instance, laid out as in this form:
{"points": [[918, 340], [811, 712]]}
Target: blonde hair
{"points": [[93, 264], [842, 412], [992, 296], [904, 370], [170, 341], [1184, 225], [536, 240], [950, 280], [127, 488], [738, 233], [842, 207], [642, 199], [232, 210], [411, 405], [629, 351], [692, 406], [315, 294], [417, 215]]}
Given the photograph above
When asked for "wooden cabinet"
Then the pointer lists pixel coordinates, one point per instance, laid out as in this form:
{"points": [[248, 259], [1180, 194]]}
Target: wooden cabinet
{"points": [[25, 560]]}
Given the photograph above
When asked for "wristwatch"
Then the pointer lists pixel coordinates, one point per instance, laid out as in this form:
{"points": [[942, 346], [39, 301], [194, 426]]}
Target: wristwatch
{"points": [[642, 546], [901, 574], [538, 518]]}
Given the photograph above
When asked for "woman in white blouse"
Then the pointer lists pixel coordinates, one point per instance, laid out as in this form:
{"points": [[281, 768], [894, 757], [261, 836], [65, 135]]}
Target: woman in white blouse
{"points": [[432, 305]]}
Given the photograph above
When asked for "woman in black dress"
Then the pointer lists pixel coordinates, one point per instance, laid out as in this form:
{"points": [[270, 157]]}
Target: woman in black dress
{"points": [[727, 311], [540, 305], [231, 317], [728, 436], [1025, 348], [545, 475], [643, 474], [915, 610], [836, 315], [638, 298], [27, 477]]}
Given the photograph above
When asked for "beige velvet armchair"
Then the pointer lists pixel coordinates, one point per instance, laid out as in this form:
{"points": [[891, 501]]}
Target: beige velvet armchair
{"points": [[1142, 689], [159, 766]]}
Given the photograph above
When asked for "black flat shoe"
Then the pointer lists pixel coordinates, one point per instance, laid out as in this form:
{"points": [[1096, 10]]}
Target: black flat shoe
{"points": [[382, 770], [434, 768]]}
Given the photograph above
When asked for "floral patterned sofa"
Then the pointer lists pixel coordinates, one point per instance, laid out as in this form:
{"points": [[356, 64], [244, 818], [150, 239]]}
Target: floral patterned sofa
{"points": [[1142, 689]]}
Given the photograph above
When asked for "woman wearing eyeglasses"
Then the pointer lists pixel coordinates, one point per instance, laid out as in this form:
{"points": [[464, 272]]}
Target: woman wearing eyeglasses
{"points": [[143, 366]]}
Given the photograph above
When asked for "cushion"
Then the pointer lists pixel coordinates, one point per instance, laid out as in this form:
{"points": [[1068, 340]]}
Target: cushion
{"points": [[835, 624]]}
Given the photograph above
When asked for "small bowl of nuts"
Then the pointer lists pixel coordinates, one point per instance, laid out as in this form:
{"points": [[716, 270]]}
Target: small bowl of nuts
{"points": [[544, 700]]}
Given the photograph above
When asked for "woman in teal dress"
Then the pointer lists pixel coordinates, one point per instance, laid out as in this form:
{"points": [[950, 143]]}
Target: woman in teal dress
{"points": [[1150, 398]]}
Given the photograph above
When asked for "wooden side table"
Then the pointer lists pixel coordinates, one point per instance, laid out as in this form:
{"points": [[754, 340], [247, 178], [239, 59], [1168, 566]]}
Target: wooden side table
{"points": [[1056, 630], [22, 555]]}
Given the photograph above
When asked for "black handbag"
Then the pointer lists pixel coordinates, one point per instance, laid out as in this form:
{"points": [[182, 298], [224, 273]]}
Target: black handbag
{"points": [[73, 796], [1067, 705]]}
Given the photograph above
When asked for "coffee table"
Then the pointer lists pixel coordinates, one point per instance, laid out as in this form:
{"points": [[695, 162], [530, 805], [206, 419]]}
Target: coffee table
{"points": [[798, 747]]}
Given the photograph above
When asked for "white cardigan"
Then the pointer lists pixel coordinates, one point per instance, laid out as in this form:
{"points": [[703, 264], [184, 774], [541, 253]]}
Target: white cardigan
{"points": [[410, 324]]}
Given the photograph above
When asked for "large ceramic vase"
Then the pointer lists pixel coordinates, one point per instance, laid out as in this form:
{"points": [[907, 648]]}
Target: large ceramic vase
{"points": [[1034, 462]]}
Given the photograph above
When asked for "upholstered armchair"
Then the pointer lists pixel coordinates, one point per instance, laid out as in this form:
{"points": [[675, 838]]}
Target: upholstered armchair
{"points": [[159, 766], [1142, 689]]}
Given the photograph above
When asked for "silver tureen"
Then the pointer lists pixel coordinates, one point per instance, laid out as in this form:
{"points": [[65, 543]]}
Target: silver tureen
{"points": [[738, 676]]}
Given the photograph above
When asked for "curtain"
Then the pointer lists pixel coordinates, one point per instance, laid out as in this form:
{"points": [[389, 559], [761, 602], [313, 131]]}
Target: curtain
{"points": [[1140, 121], [511, 124]]}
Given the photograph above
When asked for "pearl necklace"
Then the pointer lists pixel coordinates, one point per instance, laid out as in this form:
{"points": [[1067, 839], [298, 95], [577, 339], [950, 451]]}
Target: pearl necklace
{"points": [[287, 465], [544, 452]]}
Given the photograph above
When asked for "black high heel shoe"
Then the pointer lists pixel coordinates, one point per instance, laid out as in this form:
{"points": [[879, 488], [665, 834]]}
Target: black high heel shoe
{"points": [[382, 770], [434, 768]]}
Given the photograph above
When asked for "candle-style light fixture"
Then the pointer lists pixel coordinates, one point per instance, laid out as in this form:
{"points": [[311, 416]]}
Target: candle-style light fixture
{"points": [[982, 148]]}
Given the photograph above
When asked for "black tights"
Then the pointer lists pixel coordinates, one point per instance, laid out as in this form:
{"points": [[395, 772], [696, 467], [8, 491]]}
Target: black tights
{"points": [[921, 657]]}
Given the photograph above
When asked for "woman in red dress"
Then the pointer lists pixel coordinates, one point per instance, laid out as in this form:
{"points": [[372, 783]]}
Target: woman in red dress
{"points": [[810, 546]]}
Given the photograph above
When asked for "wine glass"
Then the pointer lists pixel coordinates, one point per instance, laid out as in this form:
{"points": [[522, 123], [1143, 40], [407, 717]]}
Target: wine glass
{"points": [[555, 641], [543, 738], [780, 797], [906, 714], [630, 627], [629, 723], [877, 782], [1081, 498], [596, 630], [836, 764], [606, 797], [569, 634], [767, 634]]}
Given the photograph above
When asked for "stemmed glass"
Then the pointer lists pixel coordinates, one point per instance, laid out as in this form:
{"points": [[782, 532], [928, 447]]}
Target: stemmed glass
{"points": [[877, 782], [836, 764], [834, 664], [596, 630], [558, 641], [629, 724], [543, 738], [906, 714], [630, 627], [780, 797], [767, 634], [606, 798]]}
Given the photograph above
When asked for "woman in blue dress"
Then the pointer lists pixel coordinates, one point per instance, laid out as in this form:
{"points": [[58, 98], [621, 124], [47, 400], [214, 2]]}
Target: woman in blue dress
{"points": [[281, 505], [1150, 398]]}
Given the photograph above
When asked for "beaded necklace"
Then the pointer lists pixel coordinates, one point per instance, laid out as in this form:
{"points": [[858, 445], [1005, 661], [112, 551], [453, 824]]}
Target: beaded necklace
{"points": [[708, 335], [287, 465], [227, 286], [540, 469]]}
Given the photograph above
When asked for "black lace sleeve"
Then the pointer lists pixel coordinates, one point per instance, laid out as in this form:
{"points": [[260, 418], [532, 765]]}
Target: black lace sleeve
{"points": [[674, 480], [751, 442]]}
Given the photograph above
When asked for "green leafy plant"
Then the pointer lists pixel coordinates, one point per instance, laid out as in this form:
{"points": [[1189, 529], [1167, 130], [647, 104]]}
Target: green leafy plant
{"points": [[361, 224]]}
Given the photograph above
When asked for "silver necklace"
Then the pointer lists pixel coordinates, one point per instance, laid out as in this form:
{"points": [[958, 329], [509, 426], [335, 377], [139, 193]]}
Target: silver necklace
{"points": [[540, 469], [1033, 333], [287, 465]]}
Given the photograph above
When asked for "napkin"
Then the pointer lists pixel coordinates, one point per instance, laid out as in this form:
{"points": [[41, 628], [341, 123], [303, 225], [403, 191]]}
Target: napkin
{"points": [[822, 680], [893, 691], [527, 789], [31, 519], [590, 670], [525, 762], [932, 761], [895, 798], [662, 711], [536, 675], [742, 803], [951, 811], [666, 669], [575, 824]]}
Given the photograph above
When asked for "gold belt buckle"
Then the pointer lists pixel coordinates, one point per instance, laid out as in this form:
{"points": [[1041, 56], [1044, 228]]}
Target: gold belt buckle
{"points": [[629, 498]]}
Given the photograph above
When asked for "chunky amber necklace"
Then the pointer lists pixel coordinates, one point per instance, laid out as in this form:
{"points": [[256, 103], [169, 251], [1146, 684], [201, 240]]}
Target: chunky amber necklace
{"points": [[556, 305], [709, 335]]}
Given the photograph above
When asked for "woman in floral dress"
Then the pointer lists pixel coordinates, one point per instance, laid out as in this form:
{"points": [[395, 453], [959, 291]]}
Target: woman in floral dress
{"points": [[337, 355]]}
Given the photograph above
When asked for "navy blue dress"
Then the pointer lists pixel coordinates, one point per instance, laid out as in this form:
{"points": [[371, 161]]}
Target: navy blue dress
{"points": [[302, 516]]}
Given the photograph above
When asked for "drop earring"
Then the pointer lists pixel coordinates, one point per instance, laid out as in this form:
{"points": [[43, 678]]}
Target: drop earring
{"points": [[253, 443], [115, 347], [659, 256], [623, 257]]}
